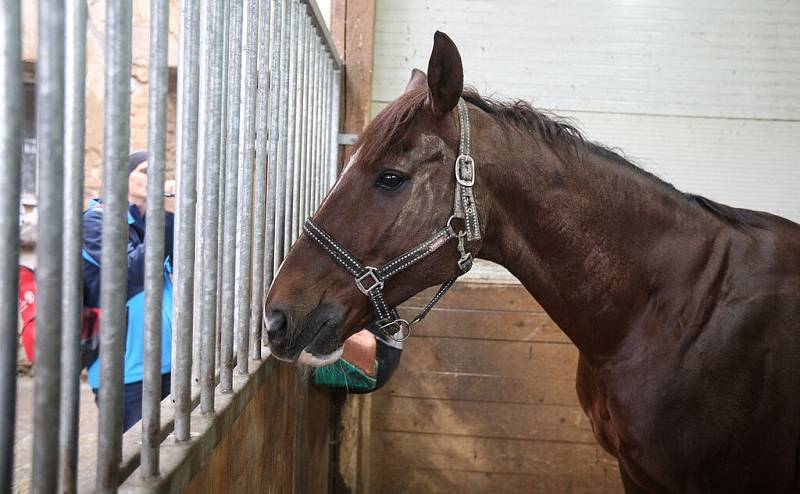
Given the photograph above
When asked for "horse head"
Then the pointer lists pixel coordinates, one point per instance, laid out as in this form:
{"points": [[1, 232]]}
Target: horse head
{"points": [[393, 203]]}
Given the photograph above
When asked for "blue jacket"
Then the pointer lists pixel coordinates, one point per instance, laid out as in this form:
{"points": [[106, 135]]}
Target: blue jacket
{"points": [[134, 340]]}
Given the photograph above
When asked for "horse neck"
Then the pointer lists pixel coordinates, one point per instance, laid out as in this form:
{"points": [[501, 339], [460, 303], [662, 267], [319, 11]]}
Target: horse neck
{"points": [[593, 240]]}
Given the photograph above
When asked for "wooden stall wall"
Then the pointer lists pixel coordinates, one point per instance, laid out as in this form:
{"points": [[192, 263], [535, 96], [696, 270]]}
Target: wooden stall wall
{"points": [[279, 444], [484, 401]]}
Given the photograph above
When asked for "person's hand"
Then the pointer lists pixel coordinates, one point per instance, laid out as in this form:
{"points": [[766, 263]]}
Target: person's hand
{"points": [[169, 199]]}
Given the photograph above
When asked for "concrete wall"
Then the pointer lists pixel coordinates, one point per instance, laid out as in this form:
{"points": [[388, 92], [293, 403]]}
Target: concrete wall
{"points": [[705, 94]]}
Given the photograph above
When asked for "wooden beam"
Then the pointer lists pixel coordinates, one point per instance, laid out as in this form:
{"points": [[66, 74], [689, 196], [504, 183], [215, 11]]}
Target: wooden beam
{"points": [[353, 28]]}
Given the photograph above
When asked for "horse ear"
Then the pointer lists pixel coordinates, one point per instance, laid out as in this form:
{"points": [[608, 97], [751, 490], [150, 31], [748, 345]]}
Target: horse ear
{"points": [[418, 80], [445, 75]]}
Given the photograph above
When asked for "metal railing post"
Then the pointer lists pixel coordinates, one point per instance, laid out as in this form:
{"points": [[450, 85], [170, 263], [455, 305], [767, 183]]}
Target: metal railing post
{"points": [[114, 261], [279, 78], [72, 301], [154, 240], [186, 174], [231, 162], [11, 112], [291, 130], [299, 118], [264, 115], [244, 214], [213, 31]]}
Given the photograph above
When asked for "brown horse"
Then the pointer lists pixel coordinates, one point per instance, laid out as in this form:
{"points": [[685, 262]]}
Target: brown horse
{"points": [[686, 312]]}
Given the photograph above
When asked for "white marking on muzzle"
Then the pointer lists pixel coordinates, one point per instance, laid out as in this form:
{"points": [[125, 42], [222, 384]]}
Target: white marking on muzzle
{"points": [[319, 360]]}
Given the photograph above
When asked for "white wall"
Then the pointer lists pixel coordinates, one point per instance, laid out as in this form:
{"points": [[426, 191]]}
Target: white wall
{"points": [[704, 93]]}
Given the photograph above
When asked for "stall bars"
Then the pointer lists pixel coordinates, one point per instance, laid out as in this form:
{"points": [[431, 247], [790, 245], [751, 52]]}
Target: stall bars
{"points": [[257, 126]]}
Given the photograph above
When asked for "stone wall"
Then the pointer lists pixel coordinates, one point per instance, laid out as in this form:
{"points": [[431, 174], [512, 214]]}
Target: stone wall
{"points": [[95, 48]]}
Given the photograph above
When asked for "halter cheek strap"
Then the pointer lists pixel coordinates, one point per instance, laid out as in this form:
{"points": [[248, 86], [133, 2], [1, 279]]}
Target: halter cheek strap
{"points": [[370, 280], [464, 204]]}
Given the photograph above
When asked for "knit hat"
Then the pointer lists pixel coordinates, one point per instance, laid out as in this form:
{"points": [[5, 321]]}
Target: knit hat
{"points": [[135, 159]]}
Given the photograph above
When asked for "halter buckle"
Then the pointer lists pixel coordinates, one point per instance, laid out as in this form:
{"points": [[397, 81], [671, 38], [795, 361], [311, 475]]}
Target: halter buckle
{"points": [[468, 170], [403, 330], [375, 282]]}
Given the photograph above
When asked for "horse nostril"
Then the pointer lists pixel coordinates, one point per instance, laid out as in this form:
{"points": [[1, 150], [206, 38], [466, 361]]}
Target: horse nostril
{"points": [[276, 327]]}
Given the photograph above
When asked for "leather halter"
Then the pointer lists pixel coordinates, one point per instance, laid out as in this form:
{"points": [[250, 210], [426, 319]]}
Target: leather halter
{"points": [[370, 280]]}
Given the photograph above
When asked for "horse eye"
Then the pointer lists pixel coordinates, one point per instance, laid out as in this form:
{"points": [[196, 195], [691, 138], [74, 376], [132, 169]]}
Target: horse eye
{"points": [[390, 180]]}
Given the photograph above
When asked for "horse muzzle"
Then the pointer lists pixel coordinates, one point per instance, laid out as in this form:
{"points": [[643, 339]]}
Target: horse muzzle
{"points": [[314, 341]]}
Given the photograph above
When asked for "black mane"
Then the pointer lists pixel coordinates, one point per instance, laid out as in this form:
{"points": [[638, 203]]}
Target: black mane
{"points": [[556, 130]]}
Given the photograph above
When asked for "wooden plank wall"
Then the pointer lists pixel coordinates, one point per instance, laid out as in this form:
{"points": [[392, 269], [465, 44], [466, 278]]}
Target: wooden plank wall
{"points": [[280, 443], [484, 401]]}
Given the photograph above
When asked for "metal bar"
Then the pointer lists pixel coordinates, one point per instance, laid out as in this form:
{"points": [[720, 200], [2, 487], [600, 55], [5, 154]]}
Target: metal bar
{"points": [[213, 31], [11, 112], [291, 143], [317, 131], [50, 157], [72, 301], [276, 103], [299, 136], [281, 152], [228, 252], [244, 214], [326, 129], [307, 127], [154, 240], [114, 260], [224, 167], [186, 159], [199, 245], [335, 105], [308, 88], [326, 124], [264, 112]]}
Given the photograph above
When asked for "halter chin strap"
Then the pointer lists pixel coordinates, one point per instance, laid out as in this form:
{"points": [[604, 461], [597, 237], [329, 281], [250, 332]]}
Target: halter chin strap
{"points": [[370, 280]]}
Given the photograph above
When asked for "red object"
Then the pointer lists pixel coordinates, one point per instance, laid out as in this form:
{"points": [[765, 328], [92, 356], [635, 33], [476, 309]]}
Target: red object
{"points": [[27, 309]]}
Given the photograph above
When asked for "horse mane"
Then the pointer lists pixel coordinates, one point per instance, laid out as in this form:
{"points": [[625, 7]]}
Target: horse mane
{"points": [[390, 129]]}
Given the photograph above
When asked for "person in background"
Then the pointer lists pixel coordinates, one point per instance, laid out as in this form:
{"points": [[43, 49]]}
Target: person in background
{"points": [[134, 342]]}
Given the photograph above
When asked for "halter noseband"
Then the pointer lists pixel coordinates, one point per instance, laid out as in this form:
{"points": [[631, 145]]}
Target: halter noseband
{"points": [[370, 280]]}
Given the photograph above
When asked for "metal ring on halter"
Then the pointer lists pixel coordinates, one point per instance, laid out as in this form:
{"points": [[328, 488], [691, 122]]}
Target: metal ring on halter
{"points": [[451, 218], [404, 328]]}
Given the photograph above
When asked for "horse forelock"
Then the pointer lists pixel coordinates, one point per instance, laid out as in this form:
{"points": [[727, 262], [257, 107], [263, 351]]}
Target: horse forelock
{"points": [[390, 129]]}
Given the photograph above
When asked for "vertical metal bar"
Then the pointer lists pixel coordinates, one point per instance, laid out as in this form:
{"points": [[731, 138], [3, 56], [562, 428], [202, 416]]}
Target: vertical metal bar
{"points": [[114, 260], [315, 108], [244, 214], [263, 112], [50, 157], [297, 170], [334, 135], [184, 249], [291, 131], [213, 31], [231, 194], [278, 139], [307, 125], [326, 128], [72, 301], [224, 167], [199, 241], [11, 112], [154, 240], [323, 132]]}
